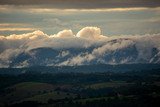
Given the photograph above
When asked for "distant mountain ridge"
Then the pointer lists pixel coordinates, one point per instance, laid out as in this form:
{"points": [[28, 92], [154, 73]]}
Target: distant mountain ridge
{"points": [[129, 54], [88, 47], [121, 68]]}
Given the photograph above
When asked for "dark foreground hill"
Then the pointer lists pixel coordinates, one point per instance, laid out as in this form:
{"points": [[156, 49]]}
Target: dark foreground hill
{"points": [[88, 87]]}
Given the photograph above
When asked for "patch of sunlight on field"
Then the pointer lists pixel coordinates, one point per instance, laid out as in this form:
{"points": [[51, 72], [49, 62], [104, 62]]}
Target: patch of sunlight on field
{"points": [[113, 84]]}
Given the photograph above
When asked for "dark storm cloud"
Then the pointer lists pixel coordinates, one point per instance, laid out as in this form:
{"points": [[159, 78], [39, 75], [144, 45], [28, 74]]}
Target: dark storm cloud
{"points": [[83, 3]]}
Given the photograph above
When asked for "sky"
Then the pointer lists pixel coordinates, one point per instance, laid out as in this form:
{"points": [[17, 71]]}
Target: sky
{"points": [[113, 17]]}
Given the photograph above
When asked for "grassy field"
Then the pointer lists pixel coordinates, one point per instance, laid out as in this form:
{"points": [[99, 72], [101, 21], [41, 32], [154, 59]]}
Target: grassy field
{"points": [[33, 86], [113, 84], [24, 90], [34, 91], [52, 95]]}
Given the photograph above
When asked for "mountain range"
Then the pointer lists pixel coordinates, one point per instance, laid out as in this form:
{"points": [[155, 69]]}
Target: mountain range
{"points": [[85, 48]]}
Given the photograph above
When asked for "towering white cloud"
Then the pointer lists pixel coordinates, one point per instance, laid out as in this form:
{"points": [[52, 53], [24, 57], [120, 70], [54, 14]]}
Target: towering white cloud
{"points": [[65, 34], [90, 33], [86, 47]]}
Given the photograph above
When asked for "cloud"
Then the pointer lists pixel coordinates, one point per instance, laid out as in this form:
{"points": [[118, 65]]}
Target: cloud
{"points": [[97, 53], [55, 21], [11, 27], [63, 39], [33, 35], [7, 55], [68, 11], [90, 33], [16, 29], [12, 24], [64, 34], [79, 4], [88, 46]]}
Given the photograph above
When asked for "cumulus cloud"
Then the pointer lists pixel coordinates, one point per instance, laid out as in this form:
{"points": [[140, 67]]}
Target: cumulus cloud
{"points": [[90, 33], [64, 34], [88, 46]]}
